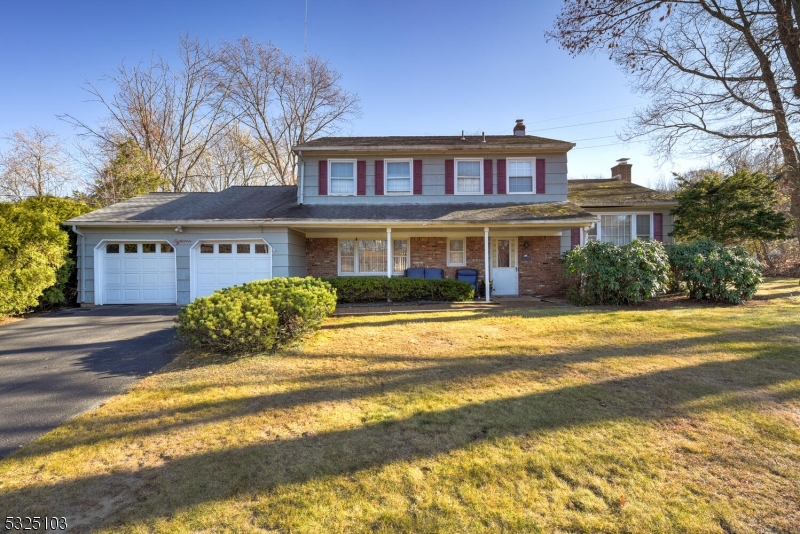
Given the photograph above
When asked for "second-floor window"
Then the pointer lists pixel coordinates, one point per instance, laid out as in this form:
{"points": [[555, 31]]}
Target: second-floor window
{"points": [[342, 175], [398, 176], [520, 175], [469, 176]]}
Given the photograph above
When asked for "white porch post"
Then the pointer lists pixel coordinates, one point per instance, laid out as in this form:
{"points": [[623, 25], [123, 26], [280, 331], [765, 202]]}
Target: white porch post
{"points": [[487, 263], [389, 253]]}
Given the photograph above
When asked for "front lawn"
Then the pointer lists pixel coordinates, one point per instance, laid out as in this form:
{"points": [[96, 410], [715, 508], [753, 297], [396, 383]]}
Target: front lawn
{"points": [[683, 417]]}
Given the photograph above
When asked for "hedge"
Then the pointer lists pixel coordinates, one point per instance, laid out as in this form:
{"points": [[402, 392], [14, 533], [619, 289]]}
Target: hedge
{"points": [[380, 289], [258, 316], [710, 271]]}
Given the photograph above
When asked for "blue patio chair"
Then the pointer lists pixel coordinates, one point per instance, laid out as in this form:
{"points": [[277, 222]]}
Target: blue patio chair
{"points": [[468, 275], [415, 272], [433, 273]]}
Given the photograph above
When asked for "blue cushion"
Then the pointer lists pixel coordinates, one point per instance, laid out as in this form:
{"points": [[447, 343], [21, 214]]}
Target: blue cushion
{"points": [[415, 272], [433, 273]]}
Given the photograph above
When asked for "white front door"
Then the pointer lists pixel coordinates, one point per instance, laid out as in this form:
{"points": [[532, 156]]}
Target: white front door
{"points": [[504, 266], [227, 263]]}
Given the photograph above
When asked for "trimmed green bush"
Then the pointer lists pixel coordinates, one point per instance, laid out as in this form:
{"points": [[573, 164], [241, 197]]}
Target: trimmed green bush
{"points": [[258, 316], [603, 273], [711, 271], [380, 289]]}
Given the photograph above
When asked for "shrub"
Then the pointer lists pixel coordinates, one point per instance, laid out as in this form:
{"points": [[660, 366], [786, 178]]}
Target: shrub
{"points": [[603, 273], [379, 289], [711, 271], [258, 316]]}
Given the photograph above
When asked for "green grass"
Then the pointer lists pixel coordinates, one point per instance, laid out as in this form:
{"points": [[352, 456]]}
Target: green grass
{"points": [[676, 417]]}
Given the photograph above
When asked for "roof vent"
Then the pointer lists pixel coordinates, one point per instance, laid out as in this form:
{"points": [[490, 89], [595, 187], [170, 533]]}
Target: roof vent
{"points": [[519, 128], [484, 137], [462, 136]]}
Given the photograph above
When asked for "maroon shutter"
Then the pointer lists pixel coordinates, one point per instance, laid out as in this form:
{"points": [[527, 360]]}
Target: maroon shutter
{"points": [[417, 176], [488, 178], [576, 237], [361, 178], [323, 177], [378, 176], [540, 178], [449, 177], [501, 177], [658, 227]]}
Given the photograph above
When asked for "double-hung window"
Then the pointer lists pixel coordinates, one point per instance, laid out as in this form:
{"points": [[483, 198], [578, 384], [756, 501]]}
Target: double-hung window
{"points": [[369, 256], [469, 176], [456, 252], [398, 176], [622, 228], [520, 175], [342, 176]]}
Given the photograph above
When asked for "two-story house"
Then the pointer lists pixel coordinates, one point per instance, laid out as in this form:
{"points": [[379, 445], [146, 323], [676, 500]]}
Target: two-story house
{"points": [[363, 206]]}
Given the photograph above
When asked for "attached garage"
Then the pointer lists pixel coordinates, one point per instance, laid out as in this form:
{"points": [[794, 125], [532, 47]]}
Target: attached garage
{"points": [[136, 272], [219, 264]]}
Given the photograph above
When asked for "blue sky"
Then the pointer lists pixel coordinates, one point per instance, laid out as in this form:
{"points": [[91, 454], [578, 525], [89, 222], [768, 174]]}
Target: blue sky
{"points": [[419, 67]]}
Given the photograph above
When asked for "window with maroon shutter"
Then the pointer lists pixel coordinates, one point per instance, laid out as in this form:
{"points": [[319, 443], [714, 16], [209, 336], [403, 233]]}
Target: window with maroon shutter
{"points": [[540, 177], [378, 176], [575, 237], [361, 177], [658, 226], [488, 177], [417, 176], [501, 176], [322, 183], [449, 177]]}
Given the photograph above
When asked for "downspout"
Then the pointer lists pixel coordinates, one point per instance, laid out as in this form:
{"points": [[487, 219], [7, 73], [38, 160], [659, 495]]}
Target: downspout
{"points": [[81, 262], [301, 175]]}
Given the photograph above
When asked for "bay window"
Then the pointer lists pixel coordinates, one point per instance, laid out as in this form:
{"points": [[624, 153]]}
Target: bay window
{"points": [[469, 176], [368, 256]]}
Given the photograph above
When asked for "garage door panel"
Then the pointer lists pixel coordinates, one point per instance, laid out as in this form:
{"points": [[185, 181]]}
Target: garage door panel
{"points": [[215, 271], [139, 277]]}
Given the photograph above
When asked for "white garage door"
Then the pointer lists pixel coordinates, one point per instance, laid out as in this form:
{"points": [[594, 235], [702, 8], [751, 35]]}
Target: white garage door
{"points": [[139, 273], [224, 264]]}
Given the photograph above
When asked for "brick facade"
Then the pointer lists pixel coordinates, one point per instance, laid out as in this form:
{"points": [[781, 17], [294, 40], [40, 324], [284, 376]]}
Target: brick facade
{"points": [[542, 274]]}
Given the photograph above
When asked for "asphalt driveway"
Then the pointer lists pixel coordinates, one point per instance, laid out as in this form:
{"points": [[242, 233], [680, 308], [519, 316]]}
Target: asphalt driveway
{"points": [[58, 365]]}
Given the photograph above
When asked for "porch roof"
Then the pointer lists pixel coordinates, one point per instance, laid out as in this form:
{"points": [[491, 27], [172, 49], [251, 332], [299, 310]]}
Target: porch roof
{"points": [[277, 205]]}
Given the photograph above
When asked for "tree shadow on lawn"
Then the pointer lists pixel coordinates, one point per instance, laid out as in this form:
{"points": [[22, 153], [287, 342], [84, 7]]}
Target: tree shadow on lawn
{"points": [[161, 491]]}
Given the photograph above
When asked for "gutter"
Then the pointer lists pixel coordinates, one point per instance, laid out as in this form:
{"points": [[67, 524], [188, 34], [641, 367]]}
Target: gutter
{"points": [[301, 177], [542, 148], [81, 259]]}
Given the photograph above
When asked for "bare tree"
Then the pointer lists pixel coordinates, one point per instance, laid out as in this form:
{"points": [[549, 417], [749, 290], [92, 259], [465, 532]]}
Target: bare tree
{"points": [[35, 165], [282, 101], [720, 73], [173, 115], [234, 159]]}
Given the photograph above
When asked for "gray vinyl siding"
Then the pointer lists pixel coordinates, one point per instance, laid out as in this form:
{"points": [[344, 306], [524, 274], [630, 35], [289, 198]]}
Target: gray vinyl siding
{"points": [[433, 183], [288, 250], [668, 222]]}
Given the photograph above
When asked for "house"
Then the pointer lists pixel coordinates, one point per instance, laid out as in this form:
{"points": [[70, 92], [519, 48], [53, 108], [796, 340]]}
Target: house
{"points": [[368, 206]]}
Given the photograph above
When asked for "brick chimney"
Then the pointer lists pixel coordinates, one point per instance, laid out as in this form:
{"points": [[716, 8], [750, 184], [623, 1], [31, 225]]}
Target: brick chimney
{"points": [[519, 128], [622, 170]]}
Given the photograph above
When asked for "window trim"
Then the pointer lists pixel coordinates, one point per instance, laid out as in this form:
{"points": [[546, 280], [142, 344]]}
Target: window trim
{"points": [[386, 177], [447, 252], [455, 177], [355, 177], [533, 177], [356, 270], [633, 214]]}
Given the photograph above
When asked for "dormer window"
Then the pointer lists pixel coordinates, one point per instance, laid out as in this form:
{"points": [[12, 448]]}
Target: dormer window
{"points": [[398, 176], [342, 175], [469, 176]]}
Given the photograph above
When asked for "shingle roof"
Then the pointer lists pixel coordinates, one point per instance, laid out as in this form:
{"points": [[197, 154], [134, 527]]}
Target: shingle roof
{"points": [[279, 204], [433, 142], [614, 193]]}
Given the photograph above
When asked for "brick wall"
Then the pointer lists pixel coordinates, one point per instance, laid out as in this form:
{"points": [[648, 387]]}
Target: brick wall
{"points": [[321, 257], [541, 275]]}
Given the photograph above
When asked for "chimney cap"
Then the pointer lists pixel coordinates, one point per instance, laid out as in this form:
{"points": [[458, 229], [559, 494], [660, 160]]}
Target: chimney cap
{"points": [[520, 120], [623, 160]]}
